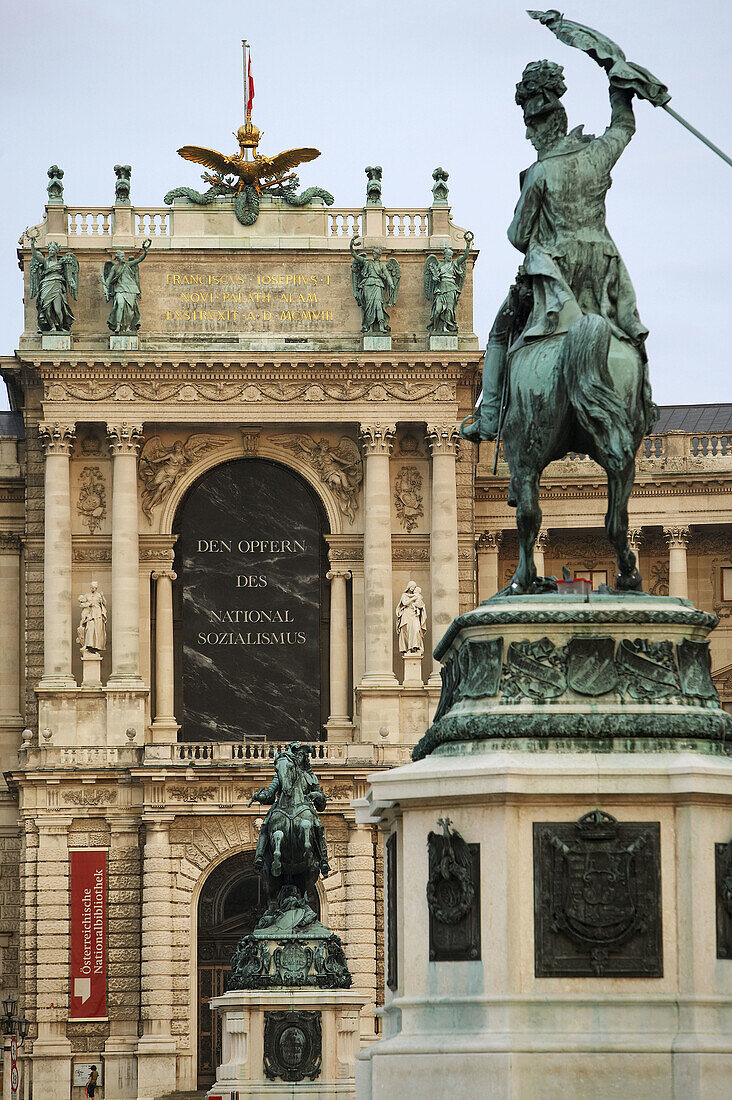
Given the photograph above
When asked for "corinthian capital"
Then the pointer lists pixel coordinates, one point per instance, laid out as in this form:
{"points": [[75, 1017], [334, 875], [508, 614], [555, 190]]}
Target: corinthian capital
{"points": [[676, 537], [377, 439], [57, 436], [489, 542], [443, 438], [124, 438]]}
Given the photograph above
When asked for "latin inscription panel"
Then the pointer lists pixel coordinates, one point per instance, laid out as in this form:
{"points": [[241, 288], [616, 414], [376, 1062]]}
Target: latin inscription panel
{"points": [[250, 552]]}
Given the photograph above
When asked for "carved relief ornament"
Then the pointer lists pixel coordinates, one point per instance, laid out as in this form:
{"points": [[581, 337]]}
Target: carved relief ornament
{"points": [[339, 467], [161, 467]]}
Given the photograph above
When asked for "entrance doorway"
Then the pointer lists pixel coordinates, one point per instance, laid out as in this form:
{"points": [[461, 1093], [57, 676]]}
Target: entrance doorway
{"points": [[231, 903]]}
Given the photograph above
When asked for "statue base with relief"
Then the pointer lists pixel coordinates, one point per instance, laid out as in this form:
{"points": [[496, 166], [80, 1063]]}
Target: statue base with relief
{"points": [[570, 932]]}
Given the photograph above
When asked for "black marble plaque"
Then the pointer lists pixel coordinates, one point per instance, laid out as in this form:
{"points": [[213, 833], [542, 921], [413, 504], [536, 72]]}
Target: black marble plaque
{"points": [[597, 898], [251, 556]]}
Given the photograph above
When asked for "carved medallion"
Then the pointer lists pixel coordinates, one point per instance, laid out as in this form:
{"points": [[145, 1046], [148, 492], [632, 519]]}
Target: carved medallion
{"points": [[591, 665], [723, 869], [293, 1044], [597, 898], [408, 497], [453, 895]]}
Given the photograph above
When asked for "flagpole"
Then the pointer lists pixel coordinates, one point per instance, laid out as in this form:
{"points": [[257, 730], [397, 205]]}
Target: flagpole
{"points": [[244, 76], [693, 130]]}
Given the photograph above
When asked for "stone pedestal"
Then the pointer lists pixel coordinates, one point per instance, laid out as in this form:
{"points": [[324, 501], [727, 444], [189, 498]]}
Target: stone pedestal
{"points": [[412, 669], [56, 341], [92, 669], [574, 941], [377, 343], [263, 1032], [124, 343], [444, 342]]}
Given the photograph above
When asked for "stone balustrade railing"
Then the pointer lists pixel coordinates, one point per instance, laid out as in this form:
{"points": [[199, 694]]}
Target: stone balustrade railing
{"points": [[673, 452]]}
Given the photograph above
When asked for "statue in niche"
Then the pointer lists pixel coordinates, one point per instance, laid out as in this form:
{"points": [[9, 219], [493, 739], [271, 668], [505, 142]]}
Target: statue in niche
{"points": [[92, 633], [291, 849], [375, 285], [53, 278], [411, 620], [161, 466], [443, 283], [121, 283]]}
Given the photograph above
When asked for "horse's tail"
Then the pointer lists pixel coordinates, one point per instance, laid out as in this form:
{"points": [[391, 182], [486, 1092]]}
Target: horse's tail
{"points": [[599, 410]]}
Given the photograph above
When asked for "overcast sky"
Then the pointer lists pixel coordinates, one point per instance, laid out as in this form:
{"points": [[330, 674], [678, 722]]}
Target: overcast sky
{"points": [[408, 85]]}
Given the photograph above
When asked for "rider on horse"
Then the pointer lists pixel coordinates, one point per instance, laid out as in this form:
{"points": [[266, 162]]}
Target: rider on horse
{"points": [[298, 755], [572, 266]]}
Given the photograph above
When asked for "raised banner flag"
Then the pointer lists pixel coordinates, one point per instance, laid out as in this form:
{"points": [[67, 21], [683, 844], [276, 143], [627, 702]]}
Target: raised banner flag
{"points": [[250, 84], [88, 985]]}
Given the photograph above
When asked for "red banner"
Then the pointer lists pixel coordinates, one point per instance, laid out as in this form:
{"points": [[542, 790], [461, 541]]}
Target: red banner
{"points": [[88, 993]]}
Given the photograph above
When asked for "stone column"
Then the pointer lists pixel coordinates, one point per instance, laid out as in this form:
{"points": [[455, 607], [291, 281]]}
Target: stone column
{"points": [[11, 722], [444, 584], [52, 1049], [635, 538], [58, 440], [539, 550], [124, 441], [123, 957], [156, 1050], [488, 546], [339, 703], [677, 539], [361, 913], [377, 442], [164, 727]]}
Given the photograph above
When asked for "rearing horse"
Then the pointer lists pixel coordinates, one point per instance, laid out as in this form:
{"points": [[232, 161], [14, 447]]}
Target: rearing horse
{"points": [[583, 391]]}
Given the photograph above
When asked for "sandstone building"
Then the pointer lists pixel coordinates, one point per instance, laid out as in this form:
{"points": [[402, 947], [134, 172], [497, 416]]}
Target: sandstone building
{"points": [[246, 440]]}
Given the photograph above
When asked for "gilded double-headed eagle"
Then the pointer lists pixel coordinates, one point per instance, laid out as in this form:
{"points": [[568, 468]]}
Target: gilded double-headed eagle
{"points": [[259, 172]]}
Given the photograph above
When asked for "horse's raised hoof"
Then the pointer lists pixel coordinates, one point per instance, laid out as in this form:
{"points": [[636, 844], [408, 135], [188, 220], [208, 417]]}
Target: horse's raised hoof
{"points": [[276, 867], [259, 865], [325, 868], [629, 582]]}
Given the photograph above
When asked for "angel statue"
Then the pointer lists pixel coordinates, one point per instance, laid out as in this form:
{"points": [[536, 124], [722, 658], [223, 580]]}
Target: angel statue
{"points": [[375, 285], [161, 466], [121, 282], [443, 284], [52, 278], [340, 468]]}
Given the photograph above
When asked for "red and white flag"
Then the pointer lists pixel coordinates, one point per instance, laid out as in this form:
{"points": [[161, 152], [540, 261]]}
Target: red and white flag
{"points": [[250, 84]]}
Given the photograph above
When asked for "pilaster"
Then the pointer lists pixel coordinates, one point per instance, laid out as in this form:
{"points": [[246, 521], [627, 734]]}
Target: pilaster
{"points": [[444, 583]]}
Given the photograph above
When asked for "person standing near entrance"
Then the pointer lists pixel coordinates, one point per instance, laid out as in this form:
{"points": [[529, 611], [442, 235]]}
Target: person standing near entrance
{"points": [[91, 1085]]}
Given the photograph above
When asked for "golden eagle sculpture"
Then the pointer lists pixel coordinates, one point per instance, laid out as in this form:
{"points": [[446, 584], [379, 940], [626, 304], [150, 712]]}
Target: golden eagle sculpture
{"points": [[247, 177]]}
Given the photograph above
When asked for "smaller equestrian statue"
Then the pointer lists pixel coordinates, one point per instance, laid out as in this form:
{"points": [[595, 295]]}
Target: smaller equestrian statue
{"points": [[290, 946], [291, 847]]}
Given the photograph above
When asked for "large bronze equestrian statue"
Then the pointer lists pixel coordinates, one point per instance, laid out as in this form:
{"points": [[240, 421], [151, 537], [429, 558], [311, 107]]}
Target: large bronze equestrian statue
{"points": [[291, 848], [565, 368]]}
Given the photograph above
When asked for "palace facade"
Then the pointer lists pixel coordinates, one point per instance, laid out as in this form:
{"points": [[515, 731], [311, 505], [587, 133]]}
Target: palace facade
{"points": [[252, 486]]}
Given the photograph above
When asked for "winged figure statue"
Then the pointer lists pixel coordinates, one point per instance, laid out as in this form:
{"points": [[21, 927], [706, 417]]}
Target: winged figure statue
{"points": [[340, 467], [375, 285], [443, 283], [161, 466], [53, 278], [247, 174], [121, 284]]}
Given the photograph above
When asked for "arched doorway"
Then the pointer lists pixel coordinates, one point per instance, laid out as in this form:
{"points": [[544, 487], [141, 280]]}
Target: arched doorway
{"points": [[252, 606], [230, 904]]}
